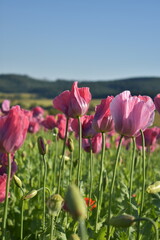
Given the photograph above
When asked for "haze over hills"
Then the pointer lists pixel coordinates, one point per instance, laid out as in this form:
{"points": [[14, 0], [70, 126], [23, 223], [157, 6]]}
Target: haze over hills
{"points": [[15, 83]]}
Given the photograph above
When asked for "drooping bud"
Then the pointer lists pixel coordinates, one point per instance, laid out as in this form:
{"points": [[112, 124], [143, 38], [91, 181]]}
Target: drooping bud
{"points": [[123, 221], [41, 146], [75, 202], [17, 181], [54, 204], [74, 237], [154, 188], [70, 144], [30, 195]]}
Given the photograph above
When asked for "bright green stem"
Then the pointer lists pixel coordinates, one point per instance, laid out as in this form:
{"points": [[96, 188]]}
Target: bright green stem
{"points": [[112, 185], [6, 198], [62, 159], [100, 181], [132, 171], [143, 181], [22, 204], [52, 226], [80, 152], [153, 223], [91, 170], [44, 194], [82, 230]]}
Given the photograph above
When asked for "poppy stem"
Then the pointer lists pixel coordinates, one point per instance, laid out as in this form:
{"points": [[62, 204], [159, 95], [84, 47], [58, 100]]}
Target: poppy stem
{"points": [[100, 181], [55, 161], [143, 181], [6, 198], [112, 185], [80, 153], [82, 230], [44, 194], [62, 159], [71, 168], [22, 204], [91, 170], [52, 226], [151, 221], [132, 171]]}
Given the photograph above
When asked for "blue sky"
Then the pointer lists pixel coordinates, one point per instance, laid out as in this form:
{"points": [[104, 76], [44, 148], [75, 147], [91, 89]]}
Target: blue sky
{"points": [[80, 39]]}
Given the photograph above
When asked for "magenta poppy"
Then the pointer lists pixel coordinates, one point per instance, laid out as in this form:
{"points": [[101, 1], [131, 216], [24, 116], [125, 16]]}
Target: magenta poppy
{"points": [[131, 113], [73, 103], [49, 122], [103, 121], [87, 130], [157, 102], [3, 179], [61, 125], [13, 130], [96, 143]]}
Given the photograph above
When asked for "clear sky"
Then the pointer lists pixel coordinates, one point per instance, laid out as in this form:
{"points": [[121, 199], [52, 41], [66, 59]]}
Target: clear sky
{"points": [[80, 39]]}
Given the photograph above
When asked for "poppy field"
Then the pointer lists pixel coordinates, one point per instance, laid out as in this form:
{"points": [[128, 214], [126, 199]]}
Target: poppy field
{"points": [[80, 174]]}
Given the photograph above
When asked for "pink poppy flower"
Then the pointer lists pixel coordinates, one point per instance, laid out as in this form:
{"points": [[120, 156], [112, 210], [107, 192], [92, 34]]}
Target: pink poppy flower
{"points": [[13, 130], [150, 136], [103, 121], [3, 179], [5, 106], [73, 103], [61, 125], [131, 113], [4, 164], [96, 142], [34, 126], [49, 122], [87, 130], [157, 102]]}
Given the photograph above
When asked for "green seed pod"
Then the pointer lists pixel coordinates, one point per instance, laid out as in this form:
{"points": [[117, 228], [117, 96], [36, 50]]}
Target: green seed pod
{"points": [[54, 204], [123, 221], [154, 188], [74, 237], [70, 144], [30, 195], [75, 202], [17, 181], [41, 146]]}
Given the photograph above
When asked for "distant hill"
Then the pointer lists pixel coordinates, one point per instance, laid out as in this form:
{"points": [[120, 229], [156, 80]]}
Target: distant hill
{"points": [[14, 83]]}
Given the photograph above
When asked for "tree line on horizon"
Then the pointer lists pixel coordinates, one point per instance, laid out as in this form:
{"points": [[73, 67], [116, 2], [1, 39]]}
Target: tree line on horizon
{"points": [[14, 83]]}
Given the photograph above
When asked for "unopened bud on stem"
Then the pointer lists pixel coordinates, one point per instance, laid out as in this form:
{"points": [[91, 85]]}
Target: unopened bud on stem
{"points": [[123, 221], [41, 146]]}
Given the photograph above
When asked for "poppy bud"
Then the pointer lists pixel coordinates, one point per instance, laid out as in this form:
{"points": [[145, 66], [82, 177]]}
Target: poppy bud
{"points": [[74, 237], [70, 144], [30, 195], [55, 131], [54, 204], [17, 181], [41, 146], [154, 188], [75, 202], [123, 221]]}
